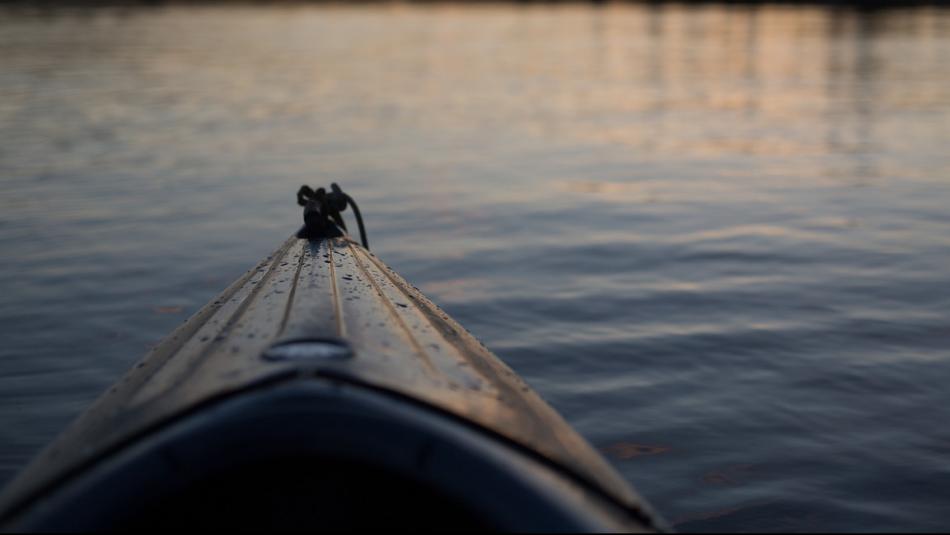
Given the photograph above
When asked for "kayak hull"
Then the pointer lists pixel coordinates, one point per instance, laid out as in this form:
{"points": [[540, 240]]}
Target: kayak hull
{"points": [[318, 358]]}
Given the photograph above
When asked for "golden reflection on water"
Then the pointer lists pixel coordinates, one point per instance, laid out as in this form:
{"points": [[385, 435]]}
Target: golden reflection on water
{"points": [[664, 80], [645, 105]]}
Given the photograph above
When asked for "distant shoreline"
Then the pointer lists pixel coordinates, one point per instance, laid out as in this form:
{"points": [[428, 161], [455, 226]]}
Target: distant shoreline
{"points": [[856, 4]]}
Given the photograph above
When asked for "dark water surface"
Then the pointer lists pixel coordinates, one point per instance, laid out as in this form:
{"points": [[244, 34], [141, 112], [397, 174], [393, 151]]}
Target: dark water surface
{"points": [[717, 239]]}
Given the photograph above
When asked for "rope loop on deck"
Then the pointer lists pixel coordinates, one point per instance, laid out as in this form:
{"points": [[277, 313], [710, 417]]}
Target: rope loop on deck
{"points": [[322, 212]]}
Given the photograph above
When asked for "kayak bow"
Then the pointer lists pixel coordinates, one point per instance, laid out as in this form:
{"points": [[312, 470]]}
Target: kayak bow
{"points": [[321, 391]]}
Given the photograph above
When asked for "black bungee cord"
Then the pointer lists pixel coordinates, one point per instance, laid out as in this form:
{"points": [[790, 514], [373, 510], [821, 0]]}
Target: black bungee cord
{"points": [[321, 213]]}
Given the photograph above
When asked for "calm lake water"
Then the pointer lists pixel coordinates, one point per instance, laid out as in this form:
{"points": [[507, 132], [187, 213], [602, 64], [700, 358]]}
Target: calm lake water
{"points": [[716, 238]]}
